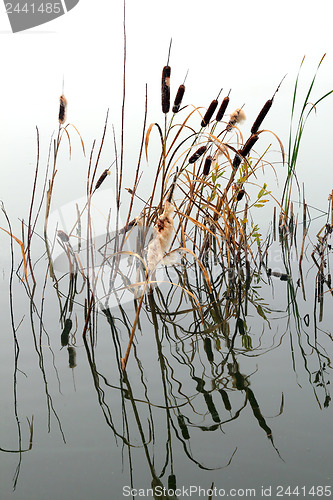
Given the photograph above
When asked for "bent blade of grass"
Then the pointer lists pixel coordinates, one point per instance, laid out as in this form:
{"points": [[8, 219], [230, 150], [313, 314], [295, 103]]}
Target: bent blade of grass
{"points": [[150, 128], [181, 128], [22, 251], [279, 141], [82, 142]]}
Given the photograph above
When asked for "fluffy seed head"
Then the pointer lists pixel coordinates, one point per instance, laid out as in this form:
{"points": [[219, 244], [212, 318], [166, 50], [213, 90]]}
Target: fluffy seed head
{"points": [[238, 116]]}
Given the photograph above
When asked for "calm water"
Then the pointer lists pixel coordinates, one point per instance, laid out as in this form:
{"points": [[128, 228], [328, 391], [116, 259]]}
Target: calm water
{"points": [[197, 407]]}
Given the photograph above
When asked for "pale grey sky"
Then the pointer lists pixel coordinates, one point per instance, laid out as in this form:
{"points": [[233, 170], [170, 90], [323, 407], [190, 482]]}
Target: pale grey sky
{"points": [[246, 46]]}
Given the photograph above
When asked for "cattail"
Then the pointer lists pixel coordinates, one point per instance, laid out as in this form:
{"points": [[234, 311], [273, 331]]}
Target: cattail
{"points": [[172, 482], [102, 178], [222, 108], [207, 165], [199, 152], [211, 407], [209, 113], [261, 116], [160, 243], [178, 98], [183, 427], [200, 384], [66, 332], [208, 349], [71, 356], [238, 116], [225, 399], [166, 89], [240, 194], [249, 145], [245, 150], [63, 236], [62, 109], [236, 161]]}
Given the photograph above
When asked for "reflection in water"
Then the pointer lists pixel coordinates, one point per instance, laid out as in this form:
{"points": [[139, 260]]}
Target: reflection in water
{"points": [[190, 383]]}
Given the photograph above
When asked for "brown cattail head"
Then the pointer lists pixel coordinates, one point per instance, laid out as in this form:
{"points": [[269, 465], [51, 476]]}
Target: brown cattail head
{"points": [[207, 165], [245, 150], [178, 98], [209, 113], [261, 116], [236, 161], [102, 178], [166, 89], [62, 109], [249, 145], [240, 194], [222, 108], [199, 152]]}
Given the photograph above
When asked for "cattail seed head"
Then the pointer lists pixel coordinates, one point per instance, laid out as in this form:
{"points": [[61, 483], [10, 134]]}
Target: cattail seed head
{"points": [[238, 116], [249, 145], [225, 399], [63, 236], [236, 161], [62, 109], [172, 485], [240, 194], [102, 178], [245, 150], [209, 113], [207, 165], [178, 98], [66, 332], [199, 152], [166, 89], [222, 108], [71, 356], [261, 116]]}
